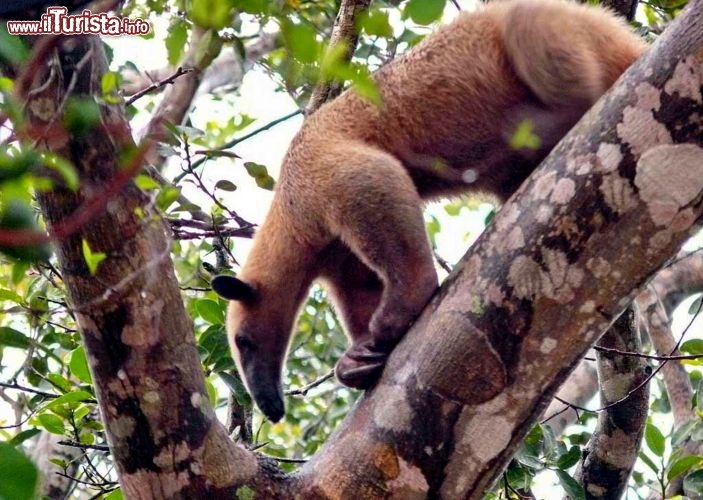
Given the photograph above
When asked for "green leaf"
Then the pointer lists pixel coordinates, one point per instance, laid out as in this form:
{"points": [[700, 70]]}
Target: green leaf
{"points": [[524, 136], [146, 183], [19, 270], [260, 175], [59, 382], [301, 41], [115, 494], [78, 365], [570, 458], [375, 23], [110, 85], [81, 115], [64, 168], [92, 259], [167, 196], [10, 337], [236, 385], [655, 440], [15, 163], [693, 346], [648, 462], [68, 398], [572, 488], [251, 6], [176, 40], [20, 476], [18, 215], [213, 14], [425, 11], [364, 85], [693, 484], [12, 47], [682, 465], [225, 185], [51, 423], [695, 306], [21, 437], [210, 311]]}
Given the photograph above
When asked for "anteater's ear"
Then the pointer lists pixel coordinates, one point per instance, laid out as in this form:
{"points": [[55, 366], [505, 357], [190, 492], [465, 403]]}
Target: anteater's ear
{"points": [[231, 288]]}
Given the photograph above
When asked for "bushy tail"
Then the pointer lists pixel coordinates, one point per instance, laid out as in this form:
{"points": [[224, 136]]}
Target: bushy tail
{"points": [[566, 53]]}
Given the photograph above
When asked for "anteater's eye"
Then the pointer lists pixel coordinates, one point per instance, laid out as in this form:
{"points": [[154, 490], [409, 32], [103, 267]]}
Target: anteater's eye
{"points": [[244, 343]]}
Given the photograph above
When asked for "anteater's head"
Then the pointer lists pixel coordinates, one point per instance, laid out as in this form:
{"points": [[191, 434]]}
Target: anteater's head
{"points": [[258, 339]]}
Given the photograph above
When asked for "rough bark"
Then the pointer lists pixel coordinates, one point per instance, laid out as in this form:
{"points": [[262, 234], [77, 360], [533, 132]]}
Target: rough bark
{"points": [[161, 428], [610, 454]]}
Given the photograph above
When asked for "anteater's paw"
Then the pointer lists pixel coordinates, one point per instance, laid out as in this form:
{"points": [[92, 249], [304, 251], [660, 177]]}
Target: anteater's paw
{"points": [[360, 367]]}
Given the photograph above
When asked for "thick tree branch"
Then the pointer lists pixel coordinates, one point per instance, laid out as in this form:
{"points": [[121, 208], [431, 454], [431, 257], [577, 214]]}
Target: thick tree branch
{"points": [[610, 454]]}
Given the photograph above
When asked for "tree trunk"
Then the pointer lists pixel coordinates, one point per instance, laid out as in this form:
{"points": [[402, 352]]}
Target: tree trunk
{"points": [[165, 439]]}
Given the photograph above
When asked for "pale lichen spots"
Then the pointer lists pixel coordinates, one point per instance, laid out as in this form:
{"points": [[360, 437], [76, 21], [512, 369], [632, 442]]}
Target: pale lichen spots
{"points": [[507, 217], [43, 108], [686, 79], [639, 129], [648, 96], [121, 374], [394, 413], [561, 277], [581, 164], [545, 185], [659, 240], [489, 436], [610, 156], [428, 450], [525, 276], [548, 345], [123, 426], [588, 307], [151, 397], [196, 399], [617, 193], [564, 191], [544, 213], [494, 294], [172, 454], [664, 189], [597, 491], [599, 267], [410, 483], [516, 239]]}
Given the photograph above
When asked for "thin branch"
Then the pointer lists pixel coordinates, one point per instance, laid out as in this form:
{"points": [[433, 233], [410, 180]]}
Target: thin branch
{"points": [[303, 391], [157, 85], [344, 33]]}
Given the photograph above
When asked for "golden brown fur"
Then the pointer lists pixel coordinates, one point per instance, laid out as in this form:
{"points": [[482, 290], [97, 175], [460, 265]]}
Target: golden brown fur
{"points": [[348, 204]]}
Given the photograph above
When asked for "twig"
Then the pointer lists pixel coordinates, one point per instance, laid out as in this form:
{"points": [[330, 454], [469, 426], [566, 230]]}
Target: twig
{"points": [[234, 142], [303, 391], [157, 85]]}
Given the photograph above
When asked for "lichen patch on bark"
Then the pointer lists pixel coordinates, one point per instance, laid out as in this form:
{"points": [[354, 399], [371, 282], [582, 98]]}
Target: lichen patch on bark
{"points": [[396, 414], [686, 79], [669, 177]]}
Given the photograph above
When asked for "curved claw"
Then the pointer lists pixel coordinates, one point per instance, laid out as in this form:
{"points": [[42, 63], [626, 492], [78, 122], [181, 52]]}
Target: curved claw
{"points": [[360, 367]]}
